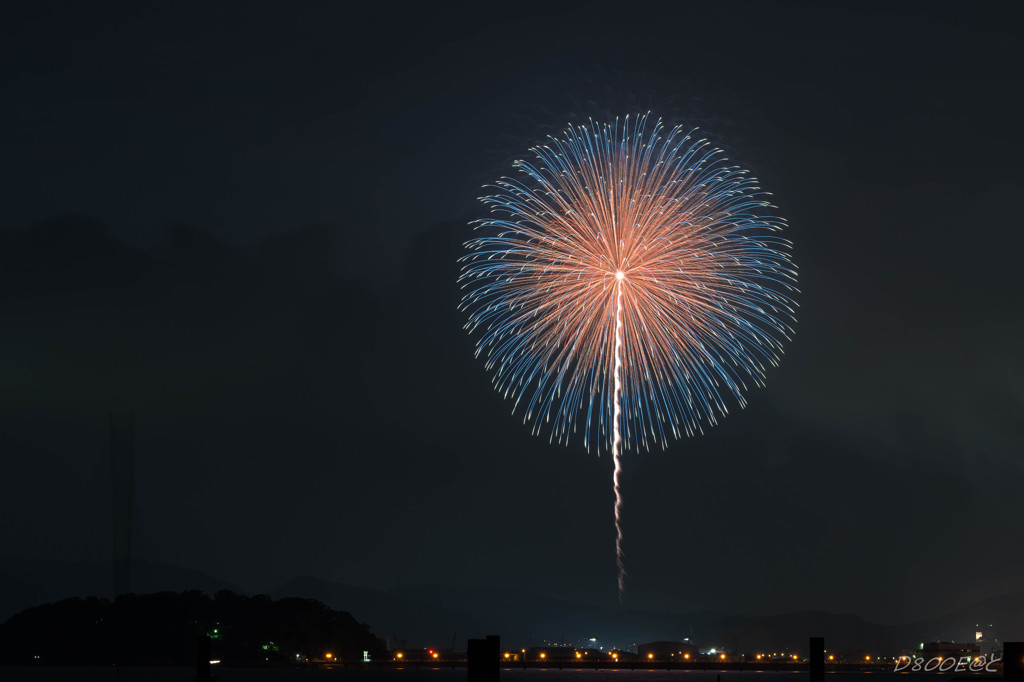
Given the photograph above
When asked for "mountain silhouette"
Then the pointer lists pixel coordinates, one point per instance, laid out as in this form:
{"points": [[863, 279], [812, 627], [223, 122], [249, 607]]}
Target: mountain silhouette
{"points": [[441, 616]]}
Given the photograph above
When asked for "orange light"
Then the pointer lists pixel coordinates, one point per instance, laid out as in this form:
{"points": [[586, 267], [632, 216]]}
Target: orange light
{"points": [[831, 657], [507, 655], [543, 655], [686, 655], [723, 657], [435, 655], [577, 654], [327, 655], [398, 655], [650, 655], [615, 656]]}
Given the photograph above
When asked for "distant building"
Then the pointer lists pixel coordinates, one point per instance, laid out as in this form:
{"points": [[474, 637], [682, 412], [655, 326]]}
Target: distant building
{"points": [[590, 654], [986, 639], [555, 653], [621, 655], [858, 656], [930, 650], [667, 651]]}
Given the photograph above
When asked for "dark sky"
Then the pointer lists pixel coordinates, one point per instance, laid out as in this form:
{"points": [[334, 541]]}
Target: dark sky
{"points": [[241, 223]]}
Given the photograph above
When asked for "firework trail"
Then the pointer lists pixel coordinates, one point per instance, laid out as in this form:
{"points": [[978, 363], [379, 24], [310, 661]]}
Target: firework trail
{"points": [[627, 280], [616, 434]]}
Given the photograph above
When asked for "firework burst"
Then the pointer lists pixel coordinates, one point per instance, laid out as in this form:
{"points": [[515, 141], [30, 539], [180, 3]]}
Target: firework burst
{"points": [[628, 280]]}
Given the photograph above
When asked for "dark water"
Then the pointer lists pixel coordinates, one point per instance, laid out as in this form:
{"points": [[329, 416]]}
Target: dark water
{"points": [[226, 674]]}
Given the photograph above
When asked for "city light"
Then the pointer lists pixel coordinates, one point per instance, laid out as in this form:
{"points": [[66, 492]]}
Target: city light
{"points": [[543, 655], [398, 655], [327, 655], [435, 654], [650, 655]]}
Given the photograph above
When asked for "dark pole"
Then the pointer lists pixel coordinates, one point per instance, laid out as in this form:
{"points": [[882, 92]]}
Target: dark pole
{"points": [[203, 658], [817, 659], [1013, 661], [482, 659]]}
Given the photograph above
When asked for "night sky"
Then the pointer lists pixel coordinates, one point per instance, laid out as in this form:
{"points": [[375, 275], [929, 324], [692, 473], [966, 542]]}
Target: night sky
{"points": [[241, 223]]}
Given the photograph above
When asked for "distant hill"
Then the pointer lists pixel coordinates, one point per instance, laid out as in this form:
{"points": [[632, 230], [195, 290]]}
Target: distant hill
{"points": [[526, 618], [162, 629], [415, 622], [531, 618], [423, 615], [31, 582], [1005, 613], [432, 616]]}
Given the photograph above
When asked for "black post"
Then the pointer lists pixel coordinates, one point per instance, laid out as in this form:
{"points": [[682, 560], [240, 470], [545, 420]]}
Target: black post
{"points": [[494, 652], [202, 658], [482, 659], [1013, 661], [817, 659], [475, 649]]}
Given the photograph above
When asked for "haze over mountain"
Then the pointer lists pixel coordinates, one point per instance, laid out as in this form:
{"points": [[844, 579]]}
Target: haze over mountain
{"points": [[440, 616], [30, 582]]}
